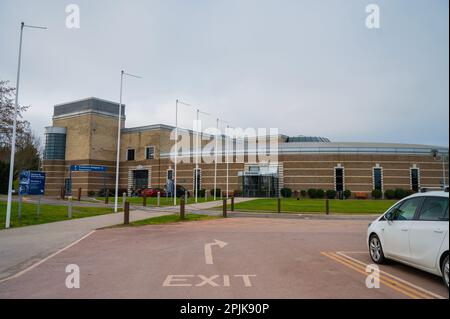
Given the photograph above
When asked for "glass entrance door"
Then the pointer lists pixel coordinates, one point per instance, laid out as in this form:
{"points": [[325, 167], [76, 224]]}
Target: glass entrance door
{"points": [[260, 185], [140, 179]]}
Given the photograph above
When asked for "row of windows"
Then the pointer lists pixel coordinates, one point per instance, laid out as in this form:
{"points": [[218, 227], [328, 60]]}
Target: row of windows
{"points": [[149, 153], [377, 179], [339, 178]]}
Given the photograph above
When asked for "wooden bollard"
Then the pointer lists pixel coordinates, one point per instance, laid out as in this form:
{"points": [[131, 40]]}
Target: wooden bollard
{"points": [[126, 213], [182, 202], [61, 194], [79, 194], [232, 203], [69, 207], [144, 200], [327, 207], [224, 207], [279, 205]]}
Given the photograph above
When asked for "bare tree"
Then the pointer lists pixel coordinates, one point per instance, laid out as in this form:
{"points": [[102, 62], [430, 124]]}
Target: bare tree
{"points": [[7, 96]]}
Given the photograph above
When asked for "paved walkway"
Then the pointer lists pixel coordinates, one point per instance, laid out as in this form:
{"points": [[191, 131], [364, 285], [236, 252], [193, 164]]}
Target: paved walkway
{"points": [[24, 246]]}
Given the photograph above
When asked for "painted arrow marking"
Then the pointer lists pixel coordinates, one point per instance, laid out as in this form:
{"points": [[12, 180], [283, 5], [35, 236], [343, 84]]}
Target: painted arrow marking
{"points": [[208, 250]]}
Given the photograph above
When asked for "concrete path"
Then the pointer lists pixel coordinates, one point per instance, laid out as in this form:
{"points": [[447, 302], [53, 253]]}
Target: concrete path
{"points": [[198, 207], [24, 246]]}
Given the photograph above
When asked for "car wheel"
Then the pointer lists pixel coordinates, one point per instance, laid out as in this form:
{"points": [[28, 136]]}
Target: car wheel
{"points": [[375, 249], [444, 268]]}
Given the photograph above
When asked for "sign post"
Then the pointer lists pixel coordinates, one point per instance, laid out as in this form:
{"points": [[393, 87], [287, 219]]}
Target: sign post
{"points": [[20, 206], [38, 211], [31, 183]]}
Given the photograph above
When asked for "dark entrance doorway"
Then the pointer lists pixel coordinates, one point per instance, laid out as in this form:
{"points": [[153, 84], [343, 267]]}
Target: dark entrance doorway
{"points": [[140, 179], [260, 185]]}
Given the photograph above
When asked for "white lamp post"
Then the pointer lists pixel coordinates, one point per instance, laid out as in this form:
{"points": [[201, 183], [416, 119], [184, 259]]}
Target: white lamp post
{"points": [[215, 159], [13, 140], [116, 194]]}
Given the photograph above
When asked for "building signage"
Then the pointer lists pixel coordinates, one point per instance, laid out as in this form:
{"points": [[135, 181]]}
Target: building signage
{"points": [[87, 168], [31, 183]]}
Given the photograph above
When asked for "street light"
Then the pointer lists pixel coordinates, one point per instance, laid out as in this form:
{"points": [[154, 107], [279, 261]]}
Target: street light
{"points": [[226, 155], [215, 158], [176, 149], [13, 140], [198, 149], [122, 73], [435, 153]]}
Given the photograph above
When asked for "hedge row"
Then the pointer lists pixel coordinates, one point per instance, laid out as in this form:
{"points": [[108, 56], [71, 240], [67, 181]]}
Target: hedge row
{"points": [[315, 193]]}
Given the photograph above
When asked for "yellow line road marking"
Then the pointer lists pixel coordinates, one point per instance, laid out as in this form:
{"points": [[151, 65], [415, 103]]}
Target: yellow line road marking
{"points": [[392, 276], [390, 280], [395, 285]]}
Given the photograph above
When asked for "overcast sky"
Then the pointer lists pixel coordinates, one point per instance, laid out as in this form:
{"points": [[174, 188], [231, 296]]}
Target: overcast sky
{"points": [[306, 67]]}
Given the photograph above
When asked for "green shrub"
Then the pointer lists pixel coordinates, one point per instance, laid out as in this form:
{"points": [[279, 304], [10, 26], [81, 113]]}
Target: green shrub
{"points": [[312, 193], [201, 192], [400, 193], [90, 193], [218, 192], [331, 194], [320, 193], [286, 192], [347, 194], [303, 193], [377, 194], [389, 194], [409, 192]]}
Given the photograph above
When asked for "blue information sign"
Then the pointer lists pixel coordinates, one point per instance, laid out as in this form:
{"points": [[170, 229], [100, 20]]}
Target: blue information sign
{"points": [[31, 183], [87, 168]]}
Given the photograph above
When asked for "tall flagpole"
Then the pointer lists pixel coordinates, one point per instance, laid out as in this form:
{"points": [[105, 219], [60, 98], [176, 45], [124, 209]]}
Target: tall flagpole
{"points": [[176, 155], [116, 192], [215, 160]]}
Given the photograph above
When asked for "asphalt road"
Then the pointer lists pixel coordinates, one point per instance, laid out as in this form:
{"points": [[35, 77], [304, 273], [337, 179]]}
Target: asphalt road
{"points": [[225, 258]]}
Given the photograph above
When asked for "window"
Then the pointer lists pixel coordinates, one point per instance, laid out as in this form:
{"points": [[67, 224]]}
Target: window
{"points": [[339, 179], [130, 155], [170, 174], [253, 169], [407, 209], [150, 152], [434, 209], [377, 179], [415, 179], [197, 178]]}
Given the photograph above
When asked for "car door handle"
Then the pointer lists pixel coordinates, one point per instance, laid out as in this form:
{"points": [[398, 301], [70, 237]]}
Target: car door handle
{"points": [[404, 229], [438, 230]]}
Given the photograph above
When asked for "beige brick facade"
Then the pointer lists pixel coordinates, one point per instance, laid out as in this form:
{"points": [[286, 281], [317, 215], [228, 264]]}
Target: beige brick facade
{"points": [[91, 139]]}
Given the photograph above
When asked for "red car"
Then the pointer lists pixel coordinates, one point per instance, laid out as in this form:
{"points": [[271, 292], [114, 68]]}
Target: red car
{"points": [[152, 192]]}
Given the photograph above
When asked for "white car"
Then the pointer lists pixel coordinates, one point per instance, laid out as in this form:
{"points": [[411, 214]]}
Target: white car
{"points": [[414, 231]]}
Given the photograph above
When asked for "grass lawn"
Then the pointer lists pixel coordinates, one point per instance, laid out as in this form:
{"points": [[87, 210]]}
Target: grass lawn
{"points": [[48, 214], [152, 201], [173, 218], [292, 205]]}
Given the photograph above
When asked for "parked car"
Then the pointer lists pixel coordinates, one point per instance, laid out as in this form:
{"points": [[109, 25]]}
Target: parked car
{"points": [[414, 231], [152, 192]]}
